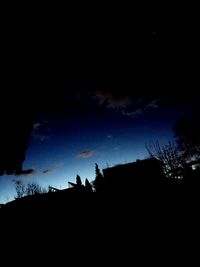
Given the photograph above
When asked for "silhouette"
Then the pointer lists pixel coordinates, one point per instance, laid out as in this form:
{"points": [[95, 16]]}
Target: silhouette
{"points": [[127, 224], [14, 139], [171, 158], [132, 199], [78, 187], [132, 176], [20, 188], [99, 179], [187, 131], [78, 181], [88, 186], [143, 178]]}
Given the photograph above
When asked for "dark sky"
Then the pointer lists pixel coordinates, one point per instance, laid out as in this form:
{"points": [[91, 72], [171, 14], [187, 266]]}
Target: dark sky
{"points": [[93, 90]]}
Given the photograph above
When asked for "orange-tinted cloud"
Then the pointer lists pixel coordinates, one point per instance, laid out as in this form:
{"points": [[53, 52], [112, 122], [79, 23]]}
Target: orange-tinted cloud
{"points": [[25, 172], [85, 154], [112, 100]]}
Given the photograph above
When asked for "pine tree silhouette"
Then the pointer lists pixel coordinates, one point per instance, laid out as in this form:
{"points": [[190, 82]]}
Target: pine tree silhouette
{"points": [[78, 181], [98, 182], [88, 186]]}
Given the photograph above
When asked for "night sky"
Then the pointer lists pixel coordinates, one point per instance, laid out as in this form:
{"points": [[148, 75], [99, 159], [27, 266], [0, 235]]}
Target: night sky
{"points": [[111, 90], [98, 126]]}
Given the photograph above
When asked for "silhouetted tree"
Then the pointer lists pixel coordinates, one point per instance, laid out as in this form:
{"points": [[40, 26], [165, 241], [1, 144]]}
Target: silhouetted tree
{"points": [[98, 182], [34, 188], [172, 160], [88, 186], [78, 181], [187, 131], [28, 190], [97, 171], [20, 188]]}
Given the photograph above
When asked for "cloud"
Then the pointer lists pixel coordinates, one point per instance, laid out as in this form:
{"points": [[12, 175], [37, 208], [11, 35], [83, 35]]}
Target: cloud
{"points": [[40, 137], [134, 114], [142, 108], [25, 172], [36, 125], [153, 104], [56, 165], [40, 132], [112, 100], [46, 171], [129, 103], [85, 154]]}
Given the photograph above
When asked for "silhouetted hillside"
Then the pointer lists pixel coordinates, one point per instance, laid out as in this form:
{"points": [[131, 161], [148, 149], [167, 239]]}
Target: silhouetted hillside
{"points": [[141, 183], [138, 205]]}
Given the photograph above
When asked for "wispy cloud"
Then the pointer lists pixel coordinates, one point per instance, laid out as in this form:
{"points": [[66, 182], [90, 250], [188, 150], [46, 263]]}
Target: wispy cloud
{"points": [[56, 165], [47, 171], [36, 125], [25, 172], [142, 108], [128, 103], [85, 154], [40, 137], [39, 124], [112, 100], [40, 132]]}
